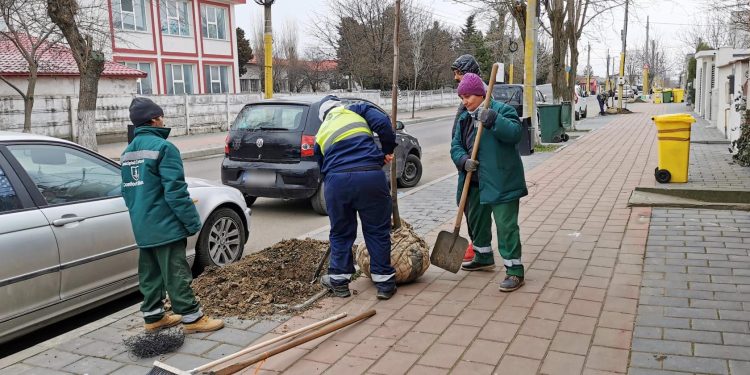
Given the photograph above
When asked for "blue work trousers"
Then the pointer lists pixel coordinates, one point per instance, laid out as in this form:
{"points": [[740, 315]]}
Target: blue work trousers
{"points": [[365, 193]]}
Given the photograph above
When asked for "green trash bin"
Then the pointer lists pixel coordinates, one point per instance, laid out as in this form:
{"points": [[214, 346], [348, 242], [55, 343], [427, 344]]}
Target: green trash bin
{"points": [[550, 123], [566, 116], [667, 96]]}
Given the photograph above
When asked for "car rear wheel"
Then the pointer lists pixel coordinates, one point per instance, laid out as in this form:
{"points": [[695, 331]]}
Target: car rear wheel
{"points": [[318, 201], [578, 116], [412, 172], [222, 240]]}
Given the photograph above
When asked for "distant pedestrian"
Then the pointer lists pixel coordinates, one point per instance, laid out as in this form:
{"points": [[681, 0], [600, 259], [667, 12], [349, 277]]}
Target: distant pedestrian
{"points": [[601, 98], [498, 181], [162, 215]]}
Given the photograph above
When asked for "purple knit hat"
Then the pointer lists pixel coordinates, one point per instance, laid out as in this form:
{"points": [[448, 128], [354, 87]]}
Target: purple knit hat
{"points": [[471, 84]]}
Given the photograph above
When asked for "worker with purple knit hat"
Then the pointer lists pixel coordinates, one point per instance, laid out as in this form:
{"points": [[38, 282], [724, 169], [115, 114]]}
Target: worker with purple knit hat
{"points": [[497, 182]]}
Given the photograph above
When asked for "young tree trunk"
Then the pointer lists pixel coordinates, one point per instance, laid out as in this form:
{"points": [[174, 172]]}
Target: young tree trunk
{"points": [[568, 94], [414, 99]]}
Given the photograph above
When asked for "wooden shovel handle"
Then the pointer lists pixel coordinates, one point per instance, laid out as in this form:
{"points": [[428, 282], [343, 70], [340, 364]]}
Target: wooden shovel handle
{"points": [[475, 151], [269, 342], [239, 366]]}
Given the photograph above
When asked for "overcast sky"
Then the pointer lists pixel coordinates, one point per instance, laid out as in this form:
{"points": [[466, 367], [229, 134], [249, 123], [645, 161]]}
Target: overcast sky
{"points": [[669, 19]]}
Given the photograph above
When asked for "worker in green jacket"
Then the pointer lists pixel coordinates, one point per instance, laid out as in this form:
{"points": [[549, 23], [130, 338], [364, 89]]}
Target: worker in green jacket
{"points": [[162, 215], [497, 183]]}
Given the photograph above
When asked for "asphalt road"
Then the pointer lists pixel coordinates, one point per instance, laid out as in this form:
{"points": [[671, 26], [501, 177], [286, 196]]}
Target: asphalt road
{"points": [[277, 219]]}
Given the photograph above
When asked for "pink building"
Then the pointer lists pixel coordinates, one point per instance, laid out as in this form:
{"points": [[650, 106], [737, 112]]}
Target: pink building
{"points": [[184, 46]]}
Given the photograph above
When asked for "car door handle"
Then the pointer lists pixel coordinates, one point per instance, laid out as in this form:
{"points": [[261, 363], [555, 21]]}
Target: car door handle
{"points": [[67, 219]]}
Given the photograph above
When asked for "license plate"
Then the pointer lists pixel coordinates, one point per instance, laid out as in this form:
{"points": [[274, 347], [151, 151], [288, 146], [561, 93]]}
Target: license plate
{"points": [[259, 178]]}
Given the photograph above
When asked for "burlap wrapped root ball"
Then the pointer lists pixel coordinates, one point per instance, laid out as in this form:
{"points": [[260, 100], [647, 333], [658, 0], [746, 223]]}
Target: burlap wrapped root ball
{"points": [[410, 255]]}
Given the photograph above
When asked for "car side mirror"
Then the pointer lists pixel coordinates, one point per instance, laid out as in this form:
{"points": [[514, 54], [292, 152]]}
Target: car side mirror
{"points": [[400, 125]]}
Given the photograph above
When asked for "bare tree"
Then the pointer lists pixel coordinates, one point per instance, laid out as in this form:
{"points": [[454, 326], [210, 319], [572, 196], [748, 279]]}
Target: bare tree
{"points": [[419, 25], [289, 45], [317, 69], [86, 31], [33, 35]]}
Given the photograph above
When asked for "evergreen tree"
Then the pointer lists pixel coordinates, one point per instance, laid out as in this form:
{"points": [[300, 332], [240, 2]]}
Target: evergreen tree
{"points": [[244, 51]]}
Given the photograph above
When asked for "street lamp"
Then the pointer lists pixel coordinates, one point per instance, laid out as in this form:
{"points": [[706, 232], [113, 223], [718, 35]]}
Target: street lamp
{"points": [[268, 47]]}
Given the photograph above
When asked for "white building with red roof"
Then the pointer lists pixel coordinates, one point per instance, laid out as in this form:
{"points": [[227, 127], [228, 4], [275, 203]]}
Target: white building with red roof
{"points": [[183, 46], [58, 73]]}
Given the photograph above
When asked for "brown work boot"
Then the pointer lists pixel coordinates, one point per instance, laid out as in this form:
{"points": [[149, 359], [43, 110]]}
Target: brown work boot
{"points": [[165, 322], [204, 324]]}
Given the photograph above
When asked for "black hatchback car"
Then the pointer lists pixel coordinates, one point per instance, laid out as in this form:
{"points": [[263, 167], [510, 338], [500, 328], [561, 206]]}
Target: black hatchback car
{"points": [[269, 152]]}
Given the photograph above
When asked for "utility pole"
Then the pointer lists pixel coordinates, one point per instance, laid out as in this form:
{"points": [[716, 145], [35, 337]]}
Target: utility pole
{"points": [[646, 66], [621, 79], [588, 75], [607, 83], [268, 47], [529, 61], [512, 54]]}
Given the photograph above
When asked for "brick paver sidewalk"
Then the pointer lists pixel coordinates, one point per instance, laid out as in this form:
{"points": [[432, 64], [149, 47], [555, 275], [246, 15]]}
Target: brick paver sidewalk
{"points": [[583, 249], [609, 289]]}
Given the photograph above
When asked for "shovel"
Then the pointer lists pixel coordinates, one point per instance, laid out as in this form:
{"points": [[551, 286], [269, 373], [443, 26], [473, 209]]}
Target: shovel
{"points": [[319, 269], [450, 246]]}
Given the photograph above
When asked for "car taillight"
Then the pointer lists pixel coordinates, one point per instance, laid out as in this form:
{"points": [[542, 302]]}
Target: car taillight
{"points": [[308, 146], [226, 146]]}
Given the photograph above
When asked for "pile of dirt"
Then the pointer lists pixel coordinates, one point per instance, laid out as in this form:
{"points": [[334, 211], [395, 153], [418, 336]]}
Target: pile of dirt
{"points": [[259, 283]]}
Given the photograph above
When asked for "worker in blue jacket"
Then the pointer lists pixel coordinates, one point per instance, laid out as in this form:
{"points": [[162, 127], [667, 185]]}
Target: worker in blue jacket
{"points": [[354, 183]]}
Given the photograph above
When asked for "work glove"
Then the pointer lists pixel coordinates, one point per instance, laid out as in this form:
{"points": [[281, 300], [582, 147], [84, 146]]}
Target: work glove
{"points": [[471, 165], [487, 117]]}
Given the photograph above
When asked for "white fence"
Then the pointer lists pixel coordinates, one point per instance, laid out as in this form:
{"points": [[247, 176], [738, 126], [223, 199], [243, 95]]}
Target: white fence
{"points": [[192, 114]]}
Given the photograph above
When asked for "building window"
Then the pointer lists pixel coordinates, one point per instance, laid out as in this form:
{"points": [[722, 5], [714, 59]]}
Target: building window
{"points": [[213, 22], [143, 85], [175, 18], [216, 79], [129, 14], [179, 79]]}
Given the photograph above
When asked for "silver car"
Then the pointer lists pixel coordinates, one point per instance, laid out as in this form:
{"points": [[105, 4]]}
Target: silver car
{"points": [[66, 242]]}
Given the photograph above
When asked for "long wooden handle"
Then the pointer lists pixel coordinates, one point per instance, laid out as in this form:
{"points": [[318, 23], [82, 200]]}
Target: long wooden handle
{"points": [[269, 342], [296, 342], [475, 151]]}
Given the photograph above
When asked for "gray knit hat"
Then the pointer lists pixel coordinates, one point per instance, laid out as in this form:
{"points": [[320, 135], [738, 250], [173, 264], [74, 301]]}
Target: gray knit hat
{"points": [[143, 110]]}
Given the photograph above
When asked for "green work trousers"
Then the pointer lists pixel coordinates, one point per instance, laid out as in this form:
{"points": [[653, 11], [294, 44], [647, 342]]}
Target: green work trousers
{"points": [[164, 269], [506, 223]]}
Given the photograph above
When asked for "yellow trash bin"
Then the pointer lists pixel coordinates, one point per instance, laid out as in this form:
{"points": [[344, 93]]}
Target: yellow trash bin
{"points": [[674, 147], [678, 95]]}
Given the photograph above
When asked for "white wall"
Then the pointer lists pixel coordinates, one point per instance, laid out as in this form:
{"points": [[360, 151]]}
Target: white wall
{"points": [[52, 116], [135, 40], [64, 86], [217, 47]]}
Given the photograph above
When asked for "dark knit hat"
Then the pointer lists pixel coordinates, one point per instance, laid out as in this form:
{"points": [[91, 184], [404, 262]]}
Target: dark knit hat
{"points": [[471, 84], [143, 110]]}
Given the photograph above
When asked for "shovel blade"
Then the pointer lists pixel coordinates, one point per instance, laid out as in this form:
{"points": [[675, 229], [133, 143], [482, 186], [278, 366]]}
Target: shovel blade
{"points": [[449, 251]]}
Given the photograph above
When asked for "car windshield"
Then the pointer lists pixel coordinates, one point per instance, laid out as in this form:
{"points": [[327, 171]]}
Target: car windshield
{"points": [[270, 117], [507, 94]]}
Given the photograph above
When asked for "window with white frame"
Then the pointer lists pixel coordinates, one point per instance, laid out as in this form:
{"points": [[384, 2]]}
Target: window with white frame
{"points": [[216, 79], [179, 79], [213, 22], [175, 17], [129, 14], [143, 85]]}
